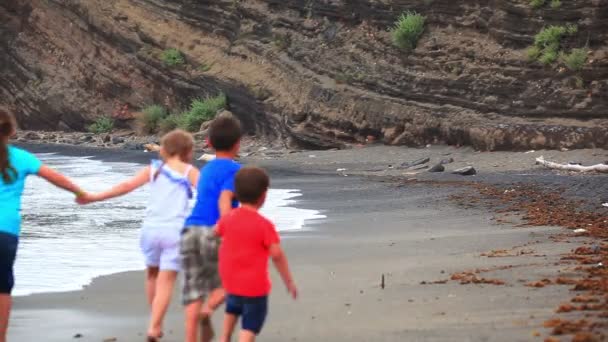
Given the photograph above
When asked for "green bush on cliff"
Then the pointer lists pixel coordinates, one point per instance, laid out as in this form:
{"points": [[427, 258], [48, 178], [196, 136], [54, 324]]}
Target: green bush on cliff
{"points": [[170, 123], [555, 4], [407, 30], [202, 110], [550, 37], [103, 124], [151, 118], [575, 60], [548, 57], [537, 3], [533, 53], [547, 43], [172, 57]]}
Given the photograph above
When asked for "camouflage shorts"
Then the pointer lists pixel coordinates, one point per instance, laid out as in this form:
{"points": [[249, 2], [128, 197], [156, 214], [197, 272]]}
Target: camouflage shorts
{"points": [[199, 261]]}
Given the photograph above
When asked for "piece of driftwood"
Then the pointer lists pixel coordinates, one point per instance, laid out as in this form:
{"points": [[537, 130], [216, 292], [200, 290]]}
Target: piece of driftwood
{"points": [[207, 157], [571, 167], [151, 148]]}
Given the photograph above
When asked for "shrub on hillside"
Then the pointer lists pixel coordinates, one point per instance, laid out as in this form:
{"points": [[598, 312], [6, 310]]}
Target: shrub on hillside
{"points": [[548, 57], [533, 53], [151, 118], [575, 60], [555, 4], [547, 43], [407, 30], [202, 110], [537, 3], [170, 123], [103, 124], [550, 37], [173, 57]]}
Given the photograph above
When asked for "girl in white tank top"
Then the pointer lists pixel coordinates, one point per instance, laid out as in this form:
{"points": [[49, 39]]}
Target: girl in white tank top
{"points": [[171, 182]]}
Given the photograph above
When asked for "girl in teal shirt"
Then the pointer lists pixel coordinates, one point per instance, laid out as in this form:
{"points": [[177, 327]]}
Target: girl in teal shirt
{"points": [[15, 165]]}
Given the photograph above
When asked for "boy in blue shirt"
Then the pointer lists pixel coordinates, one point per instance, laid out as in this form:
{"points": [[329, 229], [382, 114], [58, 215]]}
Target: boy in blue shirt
{"points": [[199, 245]]}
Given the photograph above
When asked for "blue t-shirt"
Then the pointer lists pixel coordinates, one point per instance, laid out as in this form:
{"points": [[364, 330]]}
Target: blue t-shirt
{"points": [[25, 164], [216, 177]]}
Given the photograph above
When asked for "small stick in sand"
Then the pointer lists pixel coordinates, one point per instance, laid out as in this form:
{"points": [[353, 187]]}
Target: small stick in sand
{"points": [[382, 282]]}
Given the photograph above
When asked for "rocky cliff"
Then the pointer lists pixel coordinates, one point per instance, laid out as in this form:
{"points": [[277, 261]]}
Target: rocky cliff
{"points": [[313, 73]]}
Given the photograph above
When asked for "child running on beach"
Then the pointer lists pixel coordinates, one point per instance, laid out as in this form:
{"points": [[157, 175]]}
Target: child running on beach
{"points": [[199, 245], [248, 240], [15, 165], [171, 181]]}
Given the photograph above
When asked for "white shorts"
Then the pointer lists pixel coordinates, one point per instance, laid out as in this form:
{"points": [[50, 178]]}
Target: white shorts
{"points": [[161, 248]]}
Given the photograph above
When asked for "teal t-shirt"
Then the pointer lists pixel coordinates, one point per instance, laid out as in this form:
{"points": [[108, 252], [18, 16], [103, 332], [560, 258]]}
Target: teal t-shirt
{"points": [[25, 164]]}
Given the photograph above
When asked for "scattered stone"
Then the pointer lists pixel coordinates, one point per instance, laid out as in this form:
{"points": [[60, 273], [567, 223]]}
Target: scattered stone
{"points": [[446, 161], [107, 138], [117, 140], [224, 113], [416, 162], [205, 126], [31, 136], [437, 168], [78, 336], [134, 146], [465, 171], [110, 339]]}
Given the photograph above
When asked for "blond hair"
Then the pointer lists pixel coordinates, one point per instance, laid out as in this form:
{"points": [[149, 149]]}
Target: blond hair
{"points": [[178, 143]]}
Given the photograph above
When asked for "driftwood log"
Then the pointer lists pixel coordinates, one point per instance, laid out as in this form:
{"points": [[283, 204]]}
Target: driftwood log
{"points": [[572, 167]]}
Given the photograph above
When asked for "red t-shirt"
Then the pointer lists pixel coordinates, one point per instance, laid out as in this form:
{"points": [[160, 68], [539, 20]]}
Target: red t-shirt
{"points": [[244, 252]]}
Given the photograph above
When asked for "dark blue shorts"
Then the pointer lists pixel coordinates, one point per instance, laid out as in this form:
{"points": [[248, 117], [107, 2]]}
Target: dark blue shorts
{"points": [[252, 310], [8, 252]]}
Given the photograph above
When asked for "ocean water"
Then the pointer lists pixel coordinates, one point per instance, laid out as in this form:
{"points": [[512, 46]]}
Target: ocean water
{"points": [[64, 246]]}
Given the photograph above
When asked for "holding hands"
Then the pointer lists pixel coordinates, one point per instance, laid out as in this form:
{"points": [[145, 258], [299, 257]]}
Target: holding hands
{"points": [[84, 198]]}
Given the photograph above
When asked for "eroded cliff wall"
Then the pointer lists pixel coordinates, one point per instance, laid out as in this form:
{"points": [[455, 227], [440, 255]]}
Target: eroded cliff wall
{"points": [[313, 73]]}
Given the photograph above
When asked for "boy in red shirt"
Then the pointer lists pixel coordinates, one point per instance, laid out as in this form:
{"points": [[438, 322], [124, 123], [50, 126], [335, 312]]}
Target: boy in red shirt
{"points": [[248, 240]]}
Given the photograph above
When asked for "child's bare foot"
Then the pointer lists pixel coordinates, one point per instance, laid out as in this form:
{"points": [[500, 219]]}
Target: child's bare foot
{"points": [[207, 333], [154, 336]]}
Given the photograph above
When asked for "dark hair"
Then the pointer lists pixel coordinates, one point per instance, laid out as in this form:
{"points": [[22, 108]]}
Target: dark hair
{"points": [[250, 184], [8, 125], [224, 133]]}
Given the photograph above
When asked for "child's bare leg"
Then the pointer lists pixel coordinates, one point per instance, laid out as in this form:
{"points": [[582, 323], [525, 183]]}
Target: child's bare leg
{"points": [[151, 275], [193, 311], [215, 299], [5, 309], [247, 336], [164, 290], [207, 332], [228, 328]]}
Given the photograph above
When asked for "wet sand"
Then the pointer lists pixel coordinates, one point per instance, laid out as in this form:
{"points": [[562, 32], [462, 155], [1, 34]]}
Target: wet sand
{"points": [[410, 233]]}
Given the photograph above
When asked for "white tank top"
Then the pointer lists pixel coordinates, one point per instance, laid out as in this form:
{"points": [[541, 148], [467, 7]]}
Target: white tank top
{"points": [[170, 194]]}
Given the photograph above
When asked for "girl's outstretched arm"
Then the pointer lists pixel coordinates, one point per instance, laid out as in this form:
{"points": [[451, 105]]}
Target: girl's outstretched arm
{"points": [[141, 178], [59, 180], [193, 176]]}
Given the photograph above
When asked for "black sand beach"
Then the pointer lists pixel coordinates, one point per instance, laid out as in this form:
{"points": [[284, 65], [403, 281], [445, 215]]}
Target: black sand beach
{"points": [[409, 232]]}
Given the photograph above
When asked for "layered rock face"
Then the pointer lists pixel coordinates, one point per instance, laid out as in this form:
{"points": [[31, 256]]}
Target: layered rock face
{"points": [[313, 73]]}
